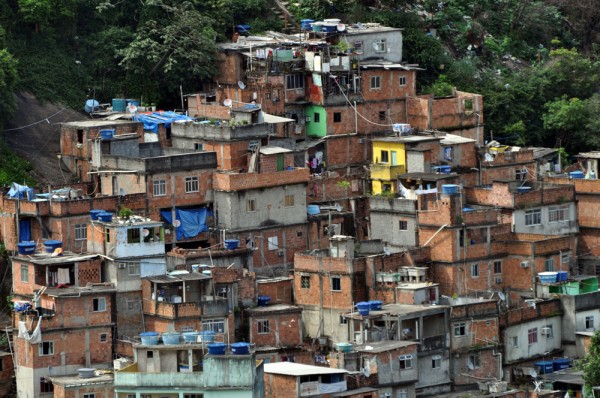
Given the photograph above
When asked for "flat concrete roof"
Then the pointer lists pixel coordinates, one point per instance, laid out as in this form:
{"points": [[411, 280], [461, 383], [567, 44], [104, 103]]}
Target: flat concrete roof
{"points": [[400, 309], [102, 377], [408, 139], [272, 150], [178, 276], [383, 346], [48, 259], [428, 176], [451, 139], [75, 291], [98, 123], [416, 286], [356, 391], [298, 369], [274, 308]]}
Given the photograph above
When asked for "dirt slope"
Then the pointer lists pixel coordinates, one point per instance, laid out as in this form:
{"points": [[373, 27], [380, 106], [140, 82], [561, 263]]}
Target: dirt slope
{"points": [[34, 134]]}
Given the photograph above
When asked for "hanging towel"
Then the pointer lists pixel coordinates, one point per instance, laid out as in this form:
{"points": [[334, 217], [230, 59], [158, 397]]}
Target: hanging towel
{"points": [[63, 276], [35, 337]]}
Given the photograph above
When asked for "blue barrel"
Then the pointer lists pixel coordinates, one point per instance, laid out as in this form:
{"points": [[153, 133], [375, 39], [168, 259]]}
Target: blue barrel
{"points": [[107, 134], [562, 276], [306, 24], [119, 104], [375, 305], [149, 338], [445, 169], [523, 189], [329, 27], [171, 338], [363, 308], [219, 348], [467, 209], [207, 336], [313, 209], [231, 244], [51, 245], [576, 174], [91, 105], [449, 189], [263, 301], [105, 217], [240, 348], [561, 363], [26, 247], [317, 26], [94, 214], [190, 337], [545, 367]]}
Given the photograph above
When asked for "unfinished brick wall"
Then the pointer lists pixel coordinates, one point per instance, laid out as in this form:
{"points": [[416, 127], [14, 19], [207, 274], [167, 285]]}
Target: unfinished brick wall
{"points": [[99, 390], [284, 328], [280, 290], [269, 163]]}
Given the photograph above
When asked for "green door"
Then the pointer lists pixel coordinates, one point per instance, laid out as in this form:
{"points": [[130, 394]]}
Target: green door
{"points": [[280, 162]]}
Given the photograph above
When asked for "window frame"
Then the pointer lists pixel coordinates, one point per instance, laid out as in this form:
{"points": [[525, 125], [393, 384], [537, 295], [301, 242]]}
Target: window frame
{"points": [[497, 267], [214, 325], [80, 232], [380, 46], [103, 337], [262, 326], [96, 307], [192, 184], [24, 275], [335, 284], [159, 188], [589, 320], [294, 81], [385, 156], [557, 214], [132, 266], [460, 329], [305, 281], [45, 348], [532, 336], [402, 81], [475, 360], [549, 264], [405, 361], [375, 82], [337, 117], [289, 201], [251, 205], [533, 217], [403, 225], [272, 243], [475, 270], [436, 360]]}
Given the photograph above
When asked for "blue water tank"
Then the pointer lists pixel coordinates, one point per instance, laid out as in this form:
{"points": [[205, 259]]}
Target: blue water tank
{"points": [[449, 189], [243, 29], [544, 367], [26, 247], [149, 338], [51, 245], [263, 301], [119, 104], [91, 105], [313, 209], [306, 24], [107, 134], [576, 174], [219, 348], [105, 217], [375, 305], [240, 348], [231, 244], [561, 363], [94, 214], [363, 308]]}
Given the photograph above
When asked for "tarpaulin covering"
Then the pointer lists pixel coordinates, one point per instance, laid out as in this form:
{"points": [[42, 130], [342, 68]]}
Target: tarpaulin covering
{"points": [[20, 191], [152, 120], [193, 221], [24, 231]]}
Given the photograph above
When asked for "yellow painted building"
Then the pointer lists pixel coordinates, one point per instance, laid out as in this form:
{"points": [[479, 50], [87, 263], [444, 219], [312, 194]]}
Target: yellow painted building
{"points": [[389, 161]]}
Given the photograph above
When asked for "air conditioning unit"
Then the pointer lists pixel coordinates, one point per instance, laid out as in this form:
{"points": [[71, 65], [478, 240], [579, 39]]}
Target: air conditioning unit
{"points": [[546, 331], [524, 264], [498, 280], [280, 253], [122, 265]]}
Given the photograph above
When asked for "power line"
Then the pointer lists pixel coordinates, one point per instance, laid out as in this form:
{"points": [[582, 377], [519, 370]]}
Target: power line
{"points": [[38, 122]]}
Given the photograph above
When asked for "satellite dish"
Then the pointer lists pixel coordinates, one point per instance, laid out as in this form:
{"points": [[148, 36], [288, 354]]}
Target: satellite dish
{"points": [[341, 27], [227, 102], [241, 85], [132, 108], [502, 296], [176, 223], [488, 157], [338, 208]]}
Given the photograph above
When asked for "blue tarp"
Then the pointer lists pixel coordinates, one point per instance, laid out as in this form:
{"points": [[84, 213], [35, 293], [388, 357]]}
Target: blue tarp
{"points": [[24, 231], [193, 221], [152, 120], [20, 191]]}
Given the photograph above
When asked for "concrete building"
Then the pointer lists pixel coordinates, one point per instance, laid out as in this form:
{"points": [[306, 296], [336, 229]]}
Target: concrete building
{"points": [[299, 380], [97, 385]]}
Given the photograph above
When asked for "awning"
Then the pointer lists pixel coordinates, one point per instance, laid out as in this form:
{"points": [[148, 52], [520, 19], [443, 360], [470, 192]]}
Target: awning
{"points": [[276, 119]]}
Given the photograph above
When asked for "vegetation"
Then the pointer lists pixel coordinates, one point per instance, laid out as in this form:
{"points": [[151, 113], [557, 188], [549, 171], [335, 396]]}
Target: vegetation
{"points": [[535, 62], [590, 364]]}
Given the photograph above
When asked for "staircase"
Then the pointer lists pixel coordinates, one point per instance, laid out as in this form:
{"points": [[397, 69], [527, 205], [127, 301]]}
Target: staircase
{"points": [[279, 8]]}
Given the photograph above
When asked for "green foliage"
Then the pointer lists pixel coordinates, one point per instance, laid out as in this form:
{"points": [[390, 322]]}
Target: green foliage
{"points": [[13, 168], [590, 364], [441, 88]]}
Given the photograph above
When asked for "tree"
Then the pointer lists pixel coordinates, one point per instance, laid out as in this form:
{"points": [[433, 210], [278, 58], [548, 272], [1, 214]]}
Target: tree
{"points": [[590, 364]]}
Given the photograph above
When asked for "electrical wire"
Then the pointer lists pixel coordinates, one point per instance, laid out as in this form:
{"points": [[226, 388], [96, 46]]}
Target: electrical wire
{"points": [[35, 123]]}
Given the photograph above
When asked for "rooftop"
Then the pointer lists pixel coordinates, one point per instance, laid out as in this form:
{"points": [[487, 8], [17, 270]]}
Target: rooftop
{"points": [[178, 276], [97, 123], [274, 308], [101, 377], [451, 139], [298, 369], [383, 346], [74, 291], [49, 259]]}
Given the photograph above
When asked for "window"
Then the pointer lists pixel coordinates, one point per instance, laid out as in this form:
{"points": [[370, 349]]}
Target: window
{"points": [[343, 320], [215, 325], [133, 235], [380, 46], [133, 269], [382, 115], [474, 361], [46, 385], [159, 187], [436, 361], [273, 243], [289, 200], [193, 395], [403, 225], [103, 337], [402, 80], [520, 174], [336, 283], [557, 214], [317, 117], [305, 282], [263, 326], [402, 393], [589, 322], [89, 395], [385, 157], [149, 354], [548, 331], [46, 348], [299, 234], [99, 304], [565, 258], [474, 270], [250, 205], [532, 336], [133, 305], [497, 267], [533, 217], [405, 361], [549, 264], [337, 117], [294, 81], [24, 273], [199, 146], [80, 232], [191, 184], [375, 82], [515, 341], [358, 46], [460, 329]]}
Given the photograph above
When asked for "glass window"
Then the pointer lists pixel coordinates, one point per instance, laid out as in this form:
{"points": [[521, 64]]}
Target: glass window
{"points": [[589, 322], [103, 337], [380, 46], [474, 361], [191, 184], [403, 225], [46, 348], [385, 157], [497, 267], [436, 361], [375, 82], [515, 341], [317, 117], [159, 187], [294, 81], [133, 269], [533, 217], [251, 205], [474, 270], [263, 326], [305, 281], [532, 336], [336, 283], [402, 80], [134, 235], [406, 361], [80, 231], [460, 329], [99, 304], [402, 393], [273, 243], [215, 325], [557, 214], [549, 264], [24, 273]]}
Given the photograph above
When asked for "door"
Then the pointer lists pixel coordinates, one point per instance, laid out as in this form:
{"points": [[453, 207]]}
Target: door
{"points": [[280, 162], [394, 158]]}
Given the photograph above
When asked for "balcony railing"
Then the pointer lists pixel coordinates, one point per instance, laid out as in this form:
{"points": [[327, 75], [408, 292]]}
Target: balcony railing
{"points": [[218, 306]]}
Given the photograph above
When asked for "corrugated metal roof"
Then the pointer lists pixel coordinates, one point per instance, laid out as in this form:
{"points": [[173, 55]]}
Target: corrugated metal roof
{"points": [[298, 369], [272, 150], [193, 276]]}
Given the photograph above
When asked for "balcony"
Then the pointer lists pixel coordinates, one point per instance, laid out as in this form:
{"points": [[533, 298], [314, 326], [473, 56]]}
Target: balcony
{"points": [[386, 172], [215, 306]]}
